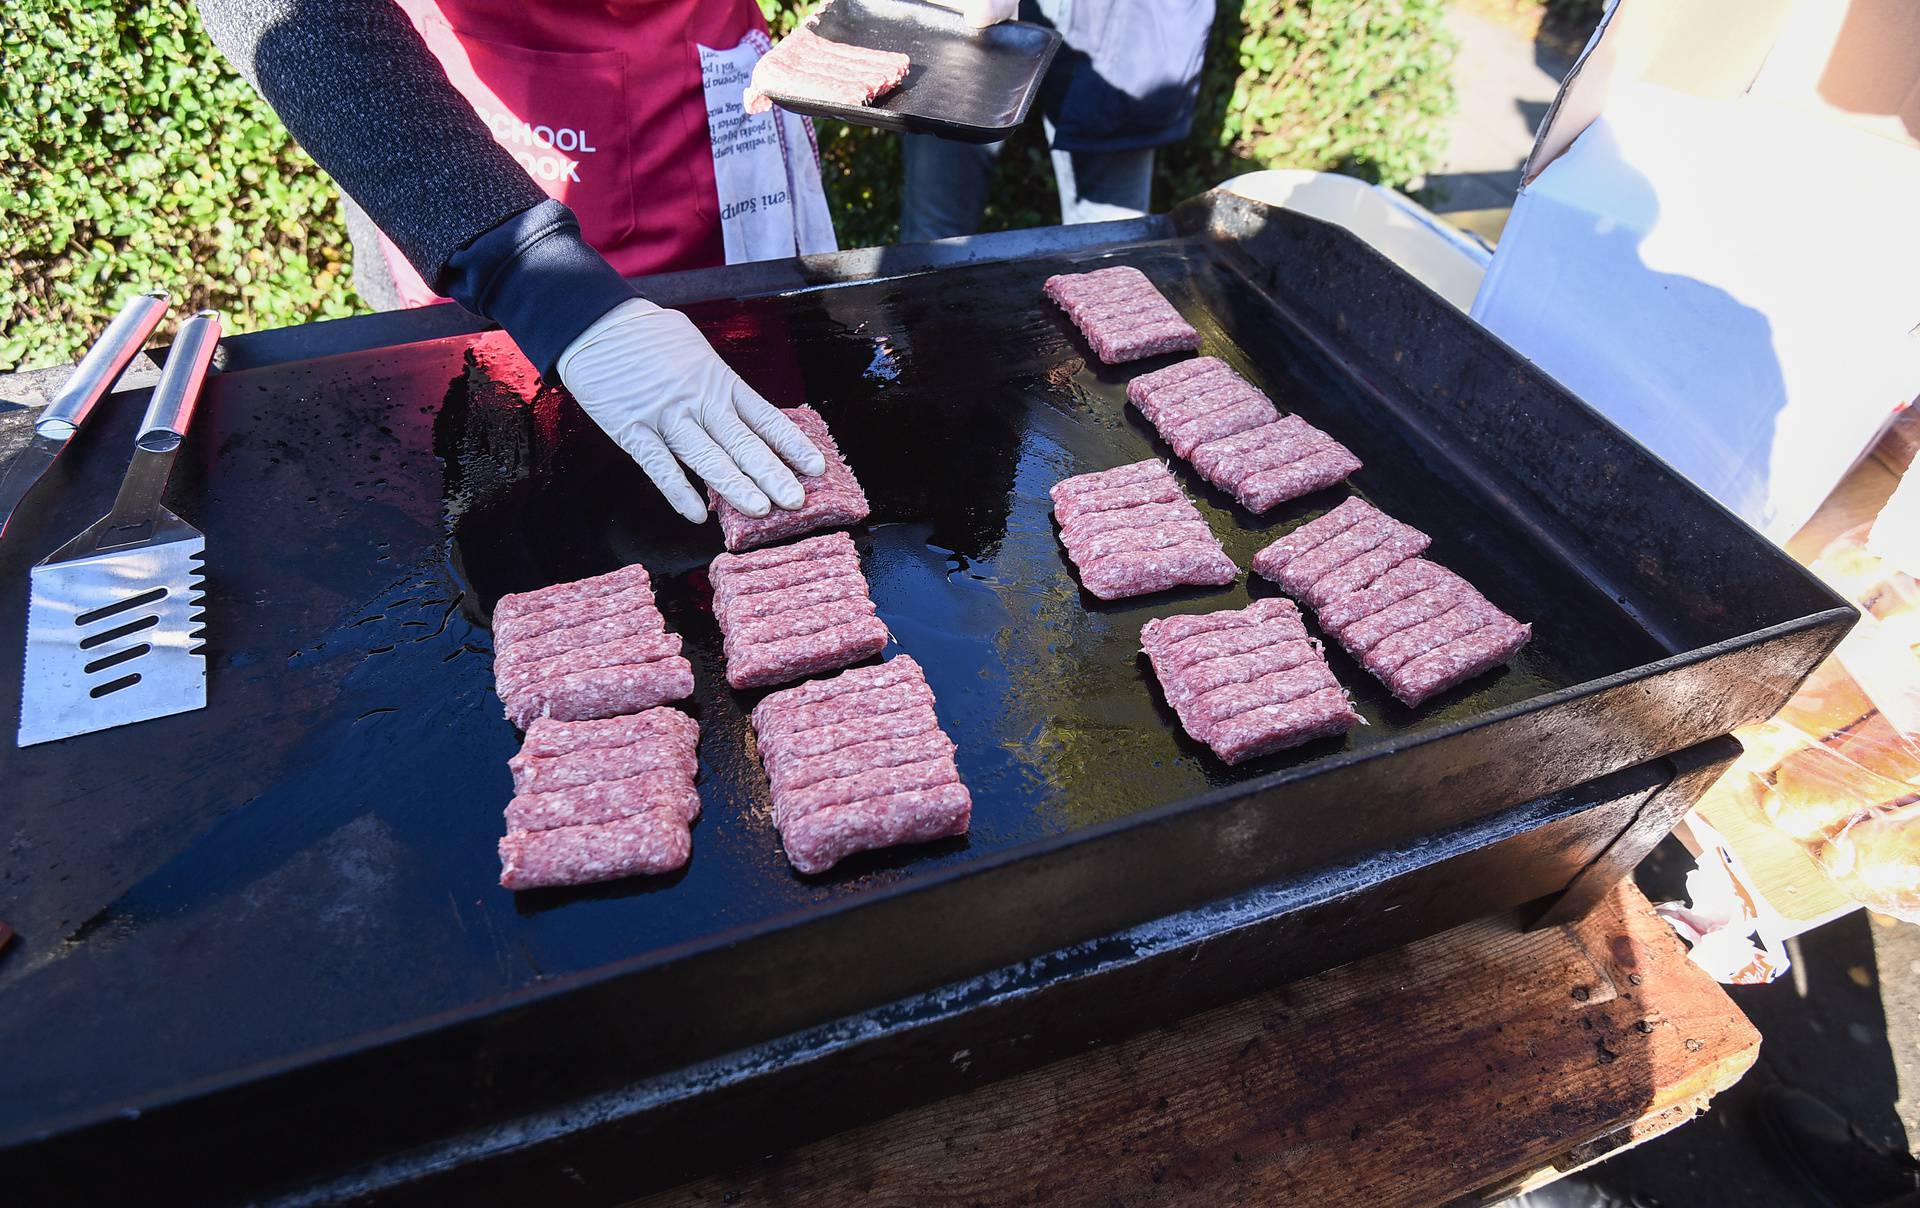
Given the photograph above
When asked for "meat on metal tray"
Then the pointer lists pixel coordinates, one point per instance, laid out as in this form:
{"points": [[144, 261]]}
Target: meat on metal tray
{"points": [[970, 85]]}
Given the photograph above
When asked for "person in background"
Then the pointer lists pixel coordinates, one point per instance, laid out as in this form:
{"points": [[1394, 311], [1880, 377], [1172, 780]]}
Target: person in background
{"points": [[1125, 82], [523, 157]]}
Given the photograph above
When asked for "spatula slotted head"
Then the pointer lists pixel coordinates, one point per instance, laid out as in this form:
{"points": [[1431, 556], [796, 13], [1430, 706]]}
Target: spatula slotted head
{"points": [[115, 637]]}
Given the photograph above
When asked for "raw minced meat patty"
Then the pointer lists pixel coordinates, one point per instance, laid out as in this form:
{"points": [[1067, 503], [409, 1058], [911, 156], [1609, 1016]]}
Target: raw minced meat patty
{"points": [[602, 799], [794, 610], [857, 762], [592, 648], [805, 66], [1131, 531], [1247, 681], [833, 497], [1121, 314]]}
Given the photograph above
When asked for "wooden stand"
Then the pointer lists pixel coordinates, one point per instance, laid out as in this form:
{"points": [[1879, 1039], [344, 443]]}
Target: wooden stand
{"points": [[1467, 1066]]}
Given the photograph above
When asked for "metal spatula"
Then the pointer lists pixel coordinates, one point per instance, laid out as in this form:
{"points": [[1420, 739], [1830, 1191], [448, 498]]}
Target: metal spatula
{"points": [[113, 621]]}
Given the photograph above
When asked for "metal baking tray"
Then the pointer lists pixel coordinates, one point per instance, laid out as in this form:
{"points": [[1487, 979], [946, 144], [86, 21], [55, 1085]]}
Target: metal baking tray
{"points": [[293, 892], [970, 85]]}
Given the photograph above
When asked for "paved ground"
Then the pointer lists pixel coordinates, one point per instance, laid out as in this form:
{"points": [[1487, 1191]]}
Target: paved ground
{"points": [[1505, 83]]}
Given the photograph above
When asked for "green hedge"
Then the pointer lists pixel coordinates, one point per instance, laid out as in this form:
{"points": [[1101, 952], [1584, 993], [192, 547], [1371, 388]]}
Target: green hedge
{"points": [[134, 156]]}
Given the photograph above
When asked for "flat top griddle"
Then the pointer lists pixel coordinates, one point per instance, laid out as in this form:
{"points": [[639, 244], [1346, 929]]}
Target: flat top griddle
{"points": [[308, 867], [970, 85]]}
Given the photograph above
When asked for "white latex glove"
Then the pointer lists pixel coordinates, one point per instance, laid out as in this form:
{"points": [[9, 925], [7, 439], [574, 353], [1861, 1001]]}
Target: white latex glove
{"points": [[650, 379], [982, 13]]}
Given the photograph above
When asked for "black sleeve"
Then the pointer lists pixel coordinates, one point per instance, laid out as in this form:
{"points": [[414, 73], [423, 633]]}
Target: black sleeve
{"points": [[358, 88]]}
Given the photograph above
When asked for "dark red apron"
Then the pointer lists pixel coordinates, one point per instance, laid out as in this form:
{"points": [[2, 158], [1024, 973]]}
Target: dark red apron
{"points": [[601, 102]]}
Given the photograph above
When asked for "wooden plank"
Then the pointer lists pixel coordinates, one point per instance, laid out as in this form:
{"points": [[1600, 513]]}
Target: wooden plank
{"points": [[1453, 1067]]}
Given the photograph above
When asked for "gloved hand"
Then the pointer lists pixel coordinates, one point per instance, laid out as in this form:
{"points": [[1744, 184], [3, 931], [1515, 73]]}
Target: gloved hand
{"points": [[650, 379], [982, 13]]}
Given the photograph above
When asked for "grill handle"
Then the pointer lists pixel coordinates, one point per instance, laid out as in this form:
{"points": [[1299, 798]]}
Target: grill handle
{"points": [[172, 406], [102, 366]]}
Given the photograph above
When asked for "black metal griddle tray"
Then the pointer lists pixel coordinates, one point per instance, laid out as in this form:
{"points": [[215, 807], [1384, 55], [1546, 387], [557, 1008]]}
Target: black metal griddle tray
{"points": [[289, 899], [970, 85]]}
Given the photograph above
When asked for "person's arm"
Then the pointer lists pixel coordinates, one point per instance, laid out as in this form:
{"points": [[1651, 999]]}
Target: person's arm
{"points": [[357, 87]]}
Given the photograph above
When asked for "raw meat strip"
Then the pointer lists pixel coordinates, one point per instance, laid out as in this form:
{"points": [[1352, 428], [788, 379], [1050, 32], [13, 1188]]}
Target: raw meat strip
{"points": [[1181, 380], [510, 609], [562, 618], [639, 618], [781, 578], [1261, 448], [513, 675], [1116, 345], [1223, 422], [548, 737], [1275, 462], [893, 673], [650, 753], [842, 585], [1142, 573], [833, 497], [1246, 681], [1207, 675], [1416, 626], [1169, 546], [653, 842], [827, 545], [1087, 548], [798, 621], [602, 693], [1260, 491], [1271, 609], [801, 627], [833, 736], [858, 762], [828, 650], [1369, 631], [840, 708], [604, 801], [825, 837], [1092, 524], [790, 771], [1138, 494], [1210, 406], [791, 804], [1121, 314], [1277, 727], [1121, 280], [808, 67], [597, 800], [594, 648], [1107, 480]]}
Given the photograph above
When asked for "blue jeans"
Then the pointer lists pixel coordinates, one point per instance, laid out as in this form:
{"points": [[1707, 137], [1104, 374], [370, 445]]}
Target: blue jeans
{"points": [[944, 191]]}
